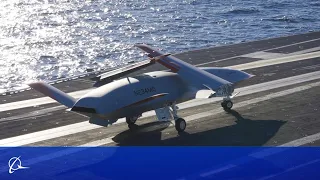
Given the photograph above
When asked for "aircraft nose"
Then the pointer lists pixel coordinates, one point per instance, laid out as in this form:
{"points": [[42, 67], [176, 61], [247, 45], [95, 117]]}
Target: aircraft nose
{"points": [[94, 105], [86, 105]]}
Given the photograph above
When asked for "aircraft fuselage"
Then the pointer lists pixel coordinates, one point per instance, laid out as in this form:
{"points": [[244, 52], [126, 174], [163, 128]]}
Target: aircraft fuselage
{"points": [[132, 96]]}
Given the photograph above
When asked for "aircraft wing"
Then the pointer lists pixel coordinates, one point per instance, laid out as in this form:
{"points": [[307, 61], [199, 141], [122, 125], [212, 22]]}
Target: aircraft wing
{"points": [[191, 74], [117, 73]]}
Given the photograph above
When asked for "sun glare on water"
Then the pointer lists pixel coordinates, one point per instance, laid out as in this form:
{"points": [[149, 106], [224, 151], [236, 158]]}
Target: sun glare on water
{"points": [[51, 39]]}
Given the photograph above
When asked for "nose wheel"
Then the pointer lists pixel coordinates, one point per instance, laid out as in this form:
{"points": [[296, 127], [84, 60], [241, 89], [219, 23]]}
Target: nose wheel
{"points": [[227, 105], [180, 125]]}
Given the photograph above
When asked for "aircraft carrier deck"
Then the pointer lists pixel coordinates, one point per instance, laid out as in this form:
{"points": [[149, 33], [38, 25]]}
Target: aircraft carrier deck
{"points": [[279, 106]]}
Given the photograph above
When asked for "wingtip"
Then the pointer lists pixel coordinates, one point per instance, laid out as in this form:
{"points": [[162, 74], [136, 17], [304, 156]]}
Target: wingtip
{"points": [[142, 46], [34, 84]]}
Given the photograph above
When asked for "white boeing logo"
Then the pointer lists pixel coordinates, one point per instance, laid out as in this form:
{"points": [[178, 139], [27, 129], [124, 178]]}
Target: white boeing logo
{"points": [[12, 162]]}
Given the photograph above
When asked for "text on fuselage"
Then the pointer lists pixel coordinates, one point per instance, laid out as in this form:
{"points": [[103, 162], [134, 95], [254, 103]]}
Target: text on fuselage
{"points": [[143, 91]]}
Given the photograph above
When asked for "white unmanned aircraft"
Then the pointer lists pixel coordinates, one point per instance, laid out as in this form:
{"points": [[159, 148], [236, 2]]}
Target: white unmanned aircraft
{"points": [[159, 90]]}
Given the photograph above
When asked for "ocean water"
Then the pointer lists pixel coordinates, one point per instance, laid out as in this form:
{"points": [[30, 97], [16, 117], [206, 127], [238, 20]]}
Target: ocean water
{"points": [[50, 39]]}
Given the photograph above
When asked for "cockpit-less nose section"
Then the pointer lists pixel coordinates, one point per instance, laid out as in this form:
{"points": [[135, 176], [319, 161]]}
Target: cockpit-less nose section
{"points": [[159, 90]]}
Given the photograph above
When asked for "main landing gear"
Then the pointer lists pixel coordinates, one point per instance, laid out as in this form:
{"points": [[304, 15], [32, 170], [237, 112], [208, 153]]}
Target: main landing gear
{"points": [[226, 92], [227, 104], [180, 123]]}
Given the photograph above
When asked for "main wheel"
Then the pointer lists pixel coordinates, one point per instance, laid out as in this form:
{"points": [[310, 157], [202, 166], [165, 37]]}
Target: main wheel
{"points": [[131, 120], [227, 105], [180, 125]]}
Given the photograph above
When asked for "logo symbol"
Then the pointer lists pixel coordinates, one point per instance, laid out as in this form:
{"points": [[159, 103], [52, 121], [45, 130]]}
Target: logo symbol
{"points": [[15, 164]]}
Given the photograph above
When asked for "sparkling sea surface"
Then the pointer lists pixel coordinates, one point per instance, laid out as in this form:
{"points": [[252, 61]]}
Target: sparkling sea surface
{"points": [[50, 39]]}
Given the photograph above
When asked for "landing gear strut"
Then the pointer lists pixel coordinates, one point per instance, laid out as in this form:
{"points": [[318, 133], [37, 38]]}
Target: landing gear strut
{"points": [[180, 123]]}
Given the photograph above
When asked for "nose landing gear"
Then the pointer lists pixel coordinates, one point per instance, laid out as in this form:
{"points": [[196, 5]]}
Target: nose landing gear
{"points": [[180, 123]]}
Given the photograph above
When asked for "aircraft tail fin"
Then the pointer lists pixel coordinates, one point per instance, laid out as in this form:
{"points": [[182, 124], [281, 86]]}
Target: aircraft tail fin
{"points": [[54, 93]]}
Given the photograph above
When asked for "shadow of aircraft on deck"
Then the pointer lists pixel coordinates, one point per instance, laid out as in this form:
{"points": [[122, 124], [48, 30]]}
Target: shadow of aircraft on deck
{"points": [[245, 132]]}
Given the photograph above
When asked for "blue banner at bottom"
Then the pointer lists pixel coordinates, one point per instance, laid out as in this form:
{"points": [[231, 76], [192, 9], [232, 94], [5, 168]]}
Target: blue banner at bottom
{"points": [[159, 163]]}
